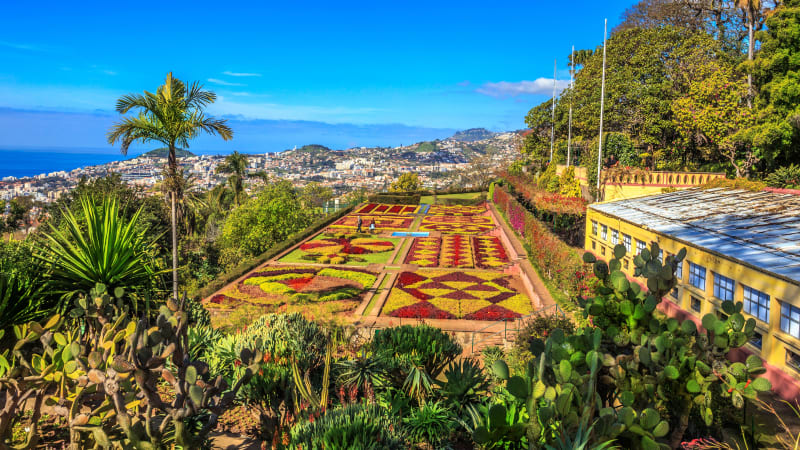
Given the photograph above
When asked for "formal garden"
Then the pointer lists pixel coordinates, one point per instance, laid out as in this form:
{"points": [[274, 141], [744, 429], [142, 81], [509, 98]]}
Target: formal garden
{"points": [[112, 368]]}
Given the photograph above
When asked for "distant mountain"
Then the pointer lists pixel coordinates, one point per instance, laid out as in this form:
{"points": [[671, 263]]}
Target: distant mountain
{"points": [[425, 147], [163, 152], [473, 134], [314, 149]]}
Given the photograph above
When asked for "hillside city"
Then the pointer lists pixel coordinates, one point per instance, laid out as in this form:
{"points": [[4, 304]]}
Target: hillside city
{"points": [[439, 164]]}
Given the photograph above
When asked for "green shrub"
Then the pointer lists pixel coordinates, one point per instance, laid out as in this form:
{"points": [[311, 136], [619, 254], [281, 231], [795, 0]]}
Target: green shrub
{"points": [[785, 177], [548, 179], [429, 424], [426, 346], [358, 426]]}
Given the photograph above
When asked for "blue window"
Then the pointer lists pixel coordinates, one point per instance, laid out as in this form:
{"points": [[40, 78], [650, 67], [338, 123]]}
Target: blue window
{"points": [[723, 287], [626, 241], [679, 271], [697, 276], [615, 237], [757, 340], [790, 319], [756, 303], [594, 228], [640, 245], [604, 232]]}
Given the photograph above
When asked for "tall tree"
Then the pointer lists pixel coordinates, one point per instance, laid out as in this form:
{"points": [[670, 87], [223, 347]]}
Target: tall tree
{"points": [[775, 69], [751, 8], [173, 116], [235, 165]]}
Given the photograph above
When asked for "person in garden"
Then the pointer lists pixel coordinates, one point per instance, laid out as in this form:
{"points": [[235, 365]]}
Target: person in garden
{"points": [[372, 226], [358, 225]]}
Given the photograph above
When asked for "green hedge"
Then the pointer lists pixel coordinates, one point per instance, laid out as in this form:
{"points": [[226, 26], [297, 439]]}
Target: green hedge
{"points": [[462, 201], [251, 263], [396, 198]]}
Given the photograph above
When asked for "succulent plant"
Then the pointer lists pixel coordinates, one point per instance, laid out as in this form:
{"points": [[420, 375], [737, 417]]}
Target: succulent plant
{"points": [[114, 374], [27, 371], [636, 375]]}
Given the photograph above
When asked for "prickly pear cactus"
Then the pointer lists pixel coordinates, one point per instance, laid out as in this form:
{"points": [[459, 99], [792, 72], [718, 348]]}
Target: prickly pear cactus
{"points": [[27, 371], [635, 376], [124, 363]]}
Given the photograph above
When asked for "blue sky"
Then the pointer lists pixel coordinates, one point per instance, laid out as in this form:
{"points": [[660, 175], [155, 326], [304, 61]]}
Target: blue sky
{"points": [[379, 70]]}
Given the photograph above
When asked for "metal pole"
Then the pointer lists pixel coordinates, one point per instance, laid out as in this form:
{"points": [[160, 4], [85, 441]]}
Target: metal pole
{"points": [[571, 94], [553, 125], [602, 106]]}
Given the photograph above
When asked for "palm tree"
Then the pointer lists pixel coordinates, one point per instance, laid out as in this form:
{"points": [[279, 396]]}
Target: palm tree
{"points": [[236, 165], [172, 116], [189, 201]]}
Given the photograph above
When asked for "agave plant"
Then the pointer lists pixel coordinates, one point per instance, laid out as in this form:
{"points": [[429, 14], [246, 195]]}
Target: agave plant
{"points": [[465, 386], [99, 247], [366, 372]]}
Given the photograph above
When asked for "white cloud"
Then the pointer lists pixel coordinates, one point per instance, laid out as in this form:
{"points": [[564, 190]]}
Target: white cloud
{"points": [[20, 46], [109, 72], [241, 94], [539, 86], [223, 82], [241, 74]]}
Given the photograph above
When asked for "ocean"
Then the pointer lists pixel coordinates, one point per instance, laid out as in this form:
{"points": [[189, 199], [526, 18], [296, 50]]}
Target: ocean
{"points": [[27, 163]]}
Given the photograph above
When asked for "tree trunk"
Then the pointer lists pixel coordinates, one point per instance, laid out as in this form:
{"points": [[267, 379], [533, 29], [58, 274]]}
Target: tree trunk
{"points": [[750, 48], [173, 170]]}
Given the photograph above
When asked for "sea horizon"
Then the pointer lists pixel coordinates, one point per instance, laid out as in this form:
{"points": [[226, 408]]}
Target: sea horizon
{"points": [[29, 162]]}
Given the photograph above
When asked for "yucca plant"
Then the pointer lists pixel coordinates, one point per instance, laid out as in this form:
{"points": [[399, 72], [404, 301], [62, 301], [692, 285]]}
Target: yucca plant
{"points": [[100, 247], [366, 372]]}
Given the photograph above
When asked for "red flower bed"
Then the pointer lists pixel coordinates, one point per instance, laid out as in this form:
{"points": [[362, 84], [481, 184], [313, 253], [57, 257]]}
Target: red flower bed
{"points": [[366, 209], [421, 310], [492, 312], [407, 278], [298, 283]]}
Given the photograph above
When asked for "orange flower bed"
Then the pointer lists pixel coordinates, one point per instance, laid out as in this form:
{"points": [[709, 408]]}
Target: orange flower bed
{"points": [[457, 224], [381, 208]]}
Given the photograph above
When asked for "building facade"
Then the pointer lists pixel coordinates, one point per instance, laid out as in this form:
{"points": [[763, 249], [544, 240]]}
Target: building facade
{"points": [[741, 246]]}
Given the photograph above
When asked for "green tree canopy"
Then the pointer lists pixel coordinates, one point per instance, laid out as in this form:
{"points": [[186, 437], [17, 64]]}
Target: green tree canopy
{"points": [[407, 182], [269, 218]]}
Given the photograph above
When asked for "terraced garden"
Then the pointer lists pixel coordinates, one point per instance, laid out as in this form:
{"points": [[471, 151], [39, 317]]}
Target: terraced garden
{"points": [[454, 267]]}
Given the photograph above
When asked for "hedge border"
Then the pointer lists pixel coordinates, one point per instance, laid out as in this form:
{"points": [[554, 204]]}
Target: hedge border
{"points": [[251, 263]]}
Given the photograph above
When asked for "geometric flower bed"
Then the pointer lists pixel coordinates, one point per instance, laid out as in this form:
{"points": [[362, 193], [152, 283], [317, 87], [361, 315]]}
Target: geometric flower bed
{"points": [[457, 224], [489, 252], [455, 210], [453, 294], [333, 248], [456, 251], [382, 223], [276, 285], [424, 252], [380, 208]]}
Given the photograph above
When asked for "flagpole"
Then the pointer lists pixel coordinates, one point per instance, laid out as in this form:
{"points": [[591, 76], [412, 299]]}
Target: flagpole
{"points": [[553, 125], [602, 106], [571, 94]]}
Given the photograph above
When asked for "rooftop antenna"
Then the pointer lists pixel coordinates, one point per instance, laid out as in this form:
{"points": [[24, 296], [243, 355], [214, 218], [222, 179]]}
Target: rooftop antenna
{"points": [[571, 94], [553, 126], [602, 106]]}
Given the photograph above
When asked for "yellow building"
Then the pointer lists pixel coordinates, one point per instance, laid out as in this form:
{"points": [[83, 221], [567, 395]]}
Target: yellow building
{"points": [[741, 246]]}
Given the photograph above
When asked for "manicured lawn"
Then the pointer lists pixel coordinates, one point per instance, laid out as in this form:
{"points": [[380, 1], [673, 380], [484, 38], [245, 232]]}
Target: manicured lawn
{"points": [[466, 195]]}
